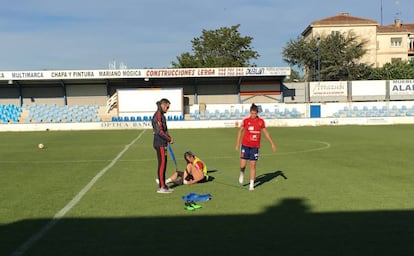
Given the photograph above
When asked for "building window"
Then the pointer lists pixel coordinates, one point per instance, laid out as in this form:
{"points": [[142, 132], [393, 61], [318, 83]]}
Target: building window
{"points": [[396, 41], [411, 44], [335, 33]]}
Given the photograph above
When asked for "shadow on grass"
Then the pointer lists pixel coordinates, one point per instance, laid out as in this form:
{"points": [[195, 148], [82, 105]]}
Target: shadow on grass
{"points": [[266, 177], [288, 228]]}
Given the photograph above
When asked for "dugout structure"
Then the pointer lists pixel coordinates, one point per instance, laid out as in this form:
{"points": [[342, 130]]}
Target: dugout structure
{"points": [[232, 85]]}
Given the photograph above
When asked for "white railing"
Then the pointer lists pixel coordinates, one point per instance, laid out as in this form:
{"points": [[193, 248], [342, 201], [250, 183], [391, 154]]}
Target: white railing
{"points": [[112, 102]]}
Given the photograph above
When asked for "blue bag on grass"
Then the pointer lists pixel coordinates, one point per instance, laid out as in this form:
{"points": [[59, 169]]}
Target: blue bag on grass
{"points": [[196, 197]]}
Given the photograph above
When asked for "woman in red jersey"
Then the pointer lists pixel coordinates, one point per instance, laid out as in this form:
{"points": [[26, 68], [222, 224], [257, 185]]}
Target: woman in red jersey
{"points": [[251, 128]]}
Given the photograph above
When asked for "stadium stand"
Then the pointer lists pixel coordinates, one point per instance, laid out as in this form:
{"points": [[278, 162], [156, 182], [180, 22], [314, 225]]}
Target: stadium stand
{"points": [[236, 114], [144, 118], [375, 111], [53, 113], [10, 113]]}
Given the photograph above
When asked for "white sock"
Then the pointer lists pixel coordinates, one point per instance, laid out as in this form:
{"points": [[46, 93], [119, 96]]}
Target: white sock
{"points": [[241, 177], [251, 186], [168, 180]]}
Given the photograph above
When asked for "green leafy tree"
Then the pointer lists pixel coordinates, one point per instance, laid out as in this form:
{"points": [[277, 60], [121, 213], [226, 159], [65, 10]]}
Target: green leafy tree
{"points": [[223, 47], [301, 53], [394, 70], [334, 57]]}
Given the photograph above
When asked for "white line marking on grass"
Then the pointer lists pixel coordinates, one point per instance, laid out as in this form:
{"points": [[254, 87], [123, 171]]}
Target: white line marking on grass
{"points": [[325, 145], [56, 161], [26, 245]]}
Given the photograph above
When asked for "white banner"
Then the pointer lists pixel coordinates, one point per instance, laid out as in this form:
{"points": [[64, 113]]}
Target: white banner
{"points": [[369, 88], [144, 73], [329, 88], [402, 87]]}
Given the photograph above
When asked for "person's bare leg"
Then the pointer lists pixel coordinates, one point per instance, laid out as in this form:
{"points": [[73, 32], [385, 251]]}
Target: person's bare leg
{"points": [[243, 163], [186, 172], [173, 177], [252, 174], [197, 174]]}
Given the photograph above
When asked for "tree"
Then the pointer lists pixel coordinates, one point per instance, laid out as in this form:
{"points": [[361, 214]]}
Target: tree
{"points": [[394, 70], [334, 57], [300, 53], [223, 47]]}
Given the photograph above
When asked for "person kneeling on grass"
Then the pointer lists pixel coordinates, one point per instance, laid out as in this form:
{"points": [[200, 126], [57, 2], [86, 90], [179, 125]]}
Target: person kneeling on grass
{"points": [[195, 172]]}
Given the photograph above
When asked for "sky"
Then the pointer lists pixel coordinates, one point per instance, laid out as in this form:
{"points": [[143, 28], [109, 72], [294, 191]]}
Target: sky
{"points": [[138, 34]]}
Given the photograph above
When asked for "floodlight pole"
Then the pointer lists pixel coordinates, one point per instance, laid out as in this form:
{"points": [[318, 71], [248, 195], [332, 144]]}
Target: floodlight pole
{"points": [[319, 57]]}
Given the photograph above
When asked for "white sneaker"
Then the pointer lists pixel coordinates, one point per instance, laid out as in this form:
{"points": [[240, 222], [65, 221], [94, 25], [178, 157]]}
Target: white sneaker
{"points": [[165, 190], [251, 188]]}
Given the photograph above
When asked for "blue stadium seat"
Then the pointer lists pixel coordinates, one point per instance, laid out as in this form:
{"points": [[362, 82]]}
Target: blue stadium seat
{"points": [[10, 113], [56, 113]]}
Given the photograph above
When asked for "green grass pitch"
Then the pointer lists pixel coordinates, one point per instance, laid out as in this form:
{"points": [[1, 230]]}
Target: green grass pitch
{"points": [[350, 191]]}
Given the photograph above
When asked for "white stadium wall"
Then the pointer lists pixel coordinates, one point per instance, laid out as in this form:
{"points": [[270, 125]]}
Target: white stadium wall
{"points": [[294, 92], [90, 94]]}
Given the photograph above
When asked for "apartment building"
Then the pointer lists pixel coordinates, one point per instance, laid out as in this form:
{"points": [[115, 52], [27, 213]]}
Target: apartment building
{"points": [[385, 43]]}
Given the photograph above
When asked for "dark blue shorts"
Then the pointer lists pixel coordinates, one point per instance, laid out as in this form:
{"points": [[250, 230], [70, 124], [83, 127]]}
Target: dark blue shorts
{"points": [[249, 153]]}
